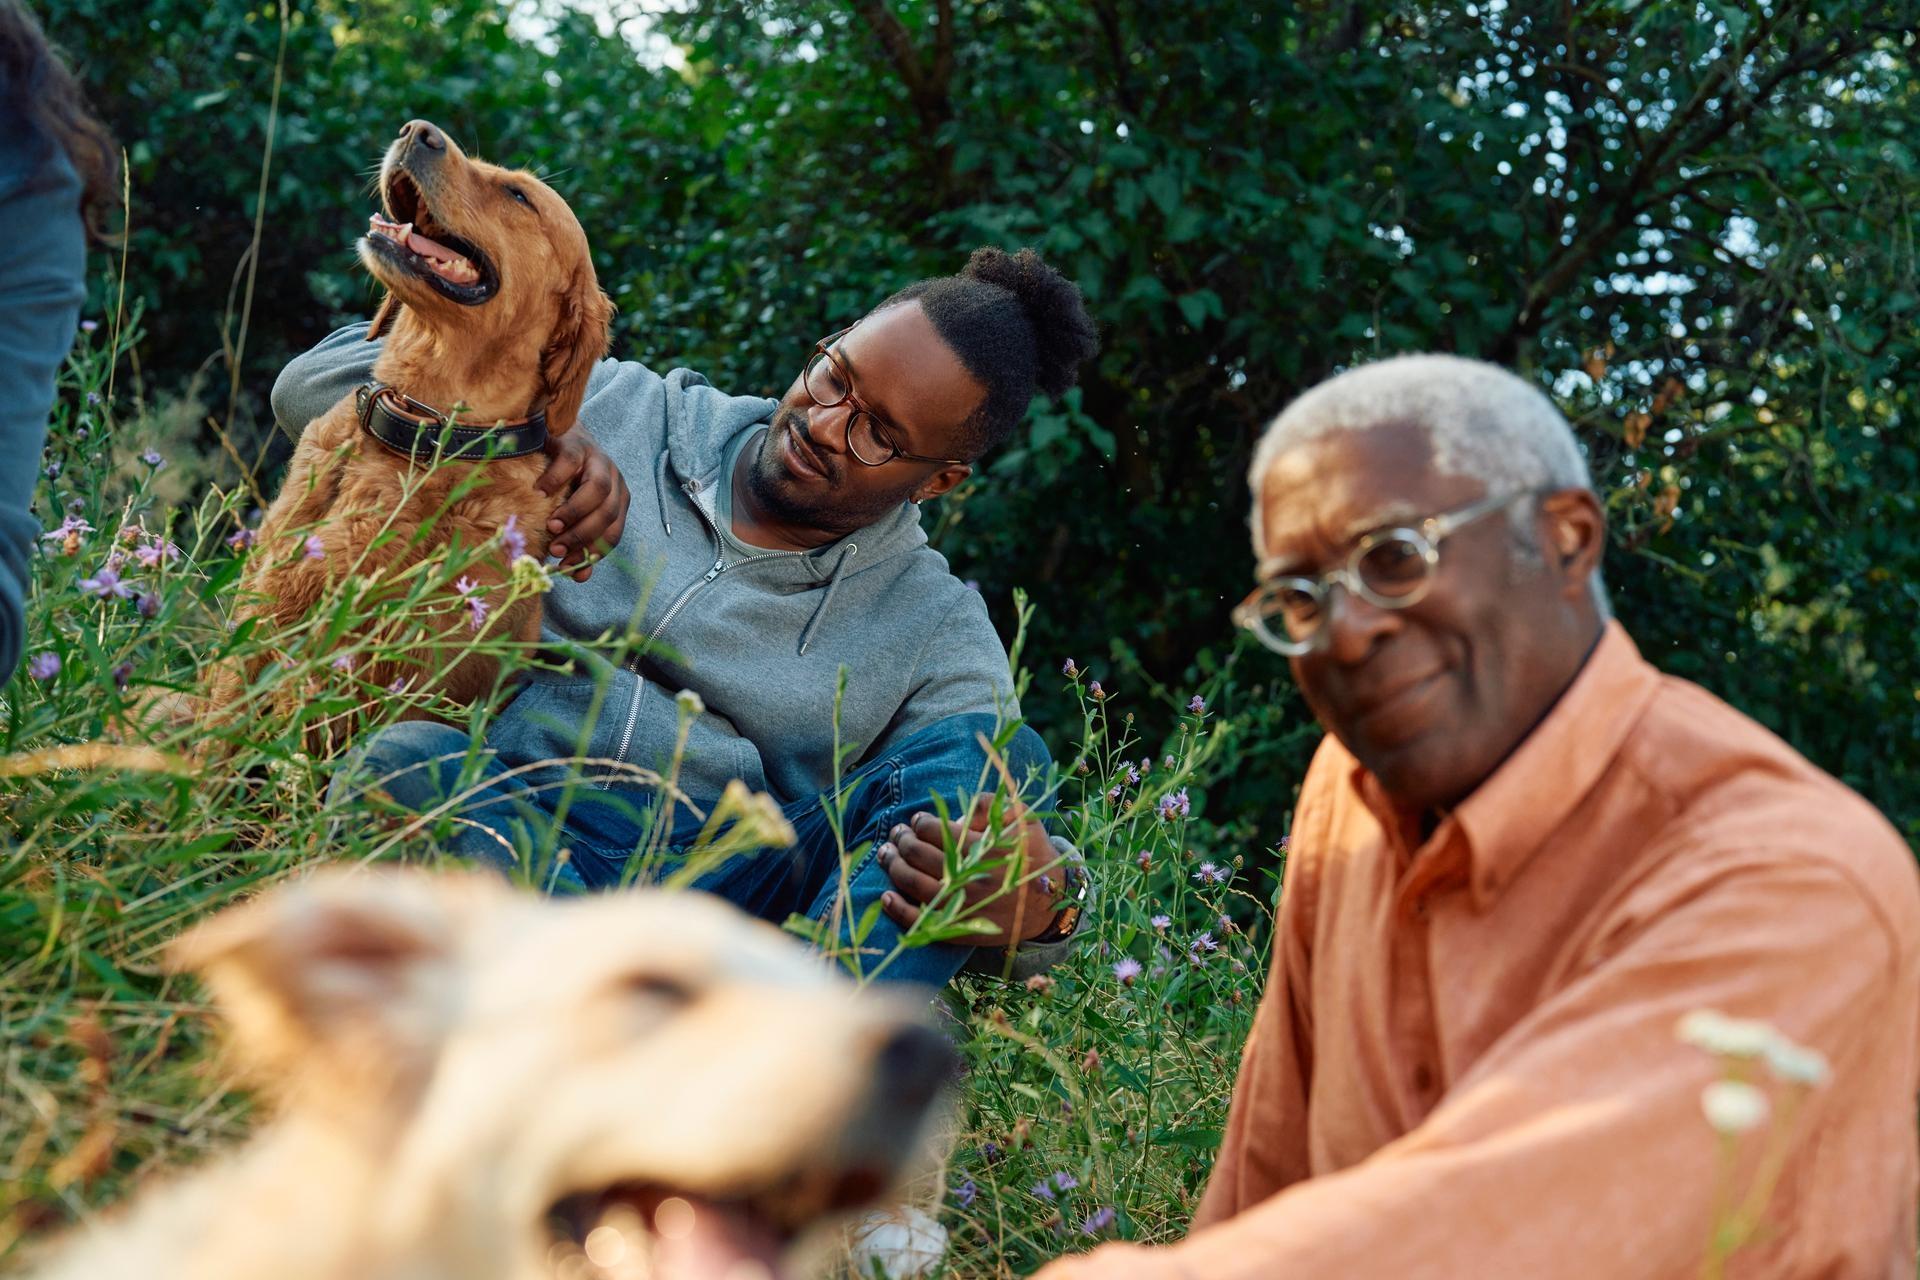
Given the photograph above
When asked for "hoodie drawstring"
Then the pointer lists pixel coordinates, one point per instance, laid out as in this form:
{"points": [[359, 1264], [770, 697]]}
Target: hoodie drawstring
{"points": [[660, 492], [833, 585]]}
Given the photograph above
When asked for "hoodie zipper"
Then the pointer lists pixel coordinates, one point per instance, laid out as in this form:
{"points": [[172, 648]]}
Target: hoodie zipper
{"points": [[633, 663]]}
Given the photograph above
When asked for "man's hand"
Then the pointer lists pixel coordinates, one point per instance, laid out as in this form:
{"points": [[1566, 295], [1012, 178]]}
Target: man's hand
{"points": [[914, 861], [594, 515]]}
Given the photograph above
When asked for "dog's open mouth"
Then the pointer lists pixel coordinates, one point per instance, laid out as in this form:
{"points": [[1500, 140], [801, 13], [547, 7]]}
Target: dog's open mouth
{"points": [[414, 241], [679, 1235]]}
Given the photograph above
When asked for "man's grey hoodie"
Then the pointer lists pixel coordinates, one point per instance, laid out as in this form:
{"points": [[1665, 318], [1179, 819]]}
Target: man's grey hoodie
{"points": [[760, 639]]}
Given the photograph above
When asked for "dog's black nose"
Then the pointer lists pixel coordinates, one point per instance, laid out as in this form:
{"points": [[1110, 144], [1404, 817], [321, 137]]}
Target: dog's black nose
{"points": [[913, 1065], [426, 133]]}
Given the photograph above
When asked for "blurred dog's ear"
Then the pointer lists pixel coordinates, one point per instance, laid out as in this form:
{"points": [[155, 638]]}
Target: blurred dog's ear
{"points": [[579, 340], [350, 972], [383, 318]]}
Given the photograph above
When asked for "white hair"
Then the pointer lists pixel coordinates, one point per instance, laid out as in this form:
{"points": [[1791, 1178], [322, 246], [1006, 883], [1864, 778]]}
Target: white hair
{"points": [[1483, 423]]}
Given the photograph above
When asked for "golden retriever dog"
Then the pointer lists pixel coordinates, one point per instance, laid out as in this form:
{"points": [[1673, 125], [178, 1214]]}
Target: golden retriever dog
{"points": [[480, 1084], [493, 319]]}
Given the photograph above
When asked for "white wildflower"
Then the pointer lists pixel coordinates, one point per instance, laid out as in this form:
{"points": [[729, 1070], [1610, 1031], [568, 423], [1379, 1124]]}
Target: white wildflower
{"points": [[690, 702], [1732, 1106], [1728, 1037], [1795, 1063]]}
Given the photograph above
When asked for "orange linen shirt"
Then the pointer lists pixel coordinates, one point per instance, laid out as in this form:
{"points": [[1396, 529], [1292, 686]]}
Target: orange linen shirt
{"points": [[1464, 1064]]}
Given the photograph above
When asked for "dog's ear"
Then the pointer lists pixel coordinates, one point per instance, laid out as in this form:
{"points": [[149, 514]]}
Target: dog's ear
{"points": [[383, 318], [352, 972], [579, 341]]}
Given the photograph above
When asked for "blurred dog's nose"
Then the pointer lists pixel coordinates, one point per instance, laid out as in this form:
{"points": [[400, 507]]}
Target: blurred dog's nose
{"points": [[426, 133], [913, 1065]]}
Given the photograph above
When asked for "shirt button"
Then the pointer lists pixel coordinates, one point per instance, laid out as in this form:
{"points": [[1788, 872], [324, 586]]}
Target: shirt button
{"points": [[1423, 1078]]}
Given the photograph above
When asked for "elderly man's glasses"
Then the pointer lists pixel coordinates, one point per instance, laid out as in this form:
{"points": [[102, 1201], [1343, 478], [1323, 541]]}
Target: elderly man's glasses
{"points": [[1390, 569], [870, 439]]}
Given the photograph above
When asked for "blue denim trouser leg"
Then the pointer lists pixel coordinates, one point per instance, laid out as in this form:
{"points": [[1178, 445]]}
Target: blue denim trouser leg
{"points": [[489, 815], [417, 763]]}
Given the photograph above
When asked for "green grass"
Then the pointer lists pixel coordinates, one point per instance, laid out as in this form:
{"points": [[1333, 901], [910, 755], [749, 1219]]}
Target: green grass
{"points": [[114, 842]]}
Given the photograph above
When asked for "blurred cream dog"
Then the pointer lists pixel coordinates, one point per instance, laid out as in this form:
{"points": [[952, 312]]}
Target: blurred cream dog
{"points": [[476, 1083]]}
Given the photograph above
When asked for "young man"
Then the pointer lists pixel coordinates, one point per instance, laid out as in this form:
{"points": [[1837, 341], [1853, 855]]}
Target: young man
{"points": [[1521, 857], [763, 547]]}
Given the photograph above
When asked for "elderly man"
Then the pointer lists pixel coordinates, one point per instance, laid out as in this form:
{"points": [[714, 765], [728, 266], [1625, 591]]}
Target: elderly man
{"points": [[1520, 858]]}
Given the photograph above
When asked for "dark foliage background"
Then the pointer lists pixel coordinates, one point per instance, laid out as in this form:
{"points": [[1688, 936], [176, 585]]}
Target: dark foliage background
{"points": [[1693, 223]]}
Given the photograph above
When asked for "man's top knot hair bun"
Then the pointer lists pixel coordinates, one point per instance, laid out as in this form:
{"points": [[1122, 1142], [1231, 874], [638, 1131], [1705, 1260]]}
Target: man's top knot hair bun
{"points": [[1063, 332], [1018, 326]]}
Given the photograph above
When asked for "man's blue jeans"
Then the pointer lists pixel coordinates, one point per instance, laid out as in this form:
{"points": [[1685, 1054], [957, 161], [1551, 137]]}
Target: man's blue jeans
{"points": [[501, 815]]}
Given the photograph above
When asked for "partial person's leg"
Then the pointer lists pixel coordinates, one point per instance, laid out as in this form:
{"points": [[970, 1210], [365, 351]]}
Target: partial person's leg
{"points": [[480, 811], [946, 760]]}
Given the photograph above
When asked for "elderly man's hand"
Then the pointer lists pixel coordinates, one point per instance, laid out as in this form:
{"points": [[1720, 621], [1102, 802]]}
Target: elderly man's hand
{"points": [[914, 861], [594, 514]]}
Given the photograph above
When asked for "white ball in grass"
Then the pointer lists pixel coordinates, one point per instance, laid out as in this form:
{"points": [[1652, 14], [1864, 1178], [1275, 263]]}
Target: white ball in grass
{"points": [[901, 1243]]}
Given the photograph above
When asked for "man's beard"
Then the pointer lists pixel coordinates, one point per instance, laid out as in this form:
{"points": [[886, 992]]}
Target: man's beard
{"points": [[776, 494]]}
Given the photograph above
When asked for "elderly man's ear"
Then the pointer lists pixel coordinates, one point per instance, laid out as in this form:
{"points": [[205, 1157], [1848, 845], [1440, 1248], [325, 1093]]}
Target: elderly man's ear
{"points": [[1574, 535]]}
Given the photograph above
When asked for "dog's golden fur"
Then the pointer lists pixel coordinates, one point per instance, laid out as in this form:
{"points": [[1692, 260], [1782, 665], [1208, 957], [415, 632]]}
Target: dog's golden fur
{"points": [[528, 346], [452, 1060]]}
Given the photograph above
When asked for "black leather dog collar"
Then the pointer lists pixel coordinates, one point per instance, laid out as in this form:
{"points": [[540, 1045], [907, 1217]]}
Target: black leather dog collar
{"points": [[407, 426]]}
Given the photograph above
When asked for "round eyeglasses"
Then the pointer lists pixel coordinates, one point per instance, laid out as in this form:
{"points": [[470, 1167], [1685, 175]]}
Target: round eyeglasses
{"points": [[870, 439], [1389, 568]]}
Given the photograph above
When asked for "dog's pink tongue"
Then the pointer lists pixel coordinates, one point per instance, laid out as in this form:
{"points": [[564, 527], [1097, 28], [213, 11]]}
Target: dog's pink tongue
{"points": [[713, 1242], [428, 248]]}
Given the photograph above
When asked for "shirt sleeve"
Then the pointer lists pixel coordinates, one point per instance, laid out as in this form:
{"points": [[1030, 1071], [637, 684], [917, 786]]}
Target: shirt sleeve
{"points": [[42, 267], [314, 382], [1264, 1148], [961, 670], [1576, 1146]]}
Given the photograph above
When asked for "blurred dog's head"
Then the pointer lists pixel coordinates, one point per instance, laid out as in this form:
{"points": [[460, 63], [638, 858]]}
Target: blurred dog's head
{"points": [[531, 1076], [491, 255]]}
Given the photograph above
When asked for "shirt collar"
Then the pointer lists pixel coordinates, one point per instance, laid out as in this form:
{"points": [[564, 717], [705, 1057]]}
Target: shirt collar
{"points": [[1508, 816], [1550, 773]]}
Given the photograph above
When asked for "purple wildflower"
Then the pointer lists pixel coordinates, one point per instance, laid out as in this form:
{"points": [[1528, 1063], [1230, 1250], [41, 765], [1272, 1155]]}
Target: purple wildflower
{"points": [[53, 469], [106, 584], [971, 584], [1096, 690], [76, 504], [477, 605], [88, 326], [122, 674], [1213, 873], [1176, 805], [44, 665], [512, 539], [1283, 842], [1161, 922], [1145, 859], [965, 1194], [1068, 670], [1065, 1181], [1046, 883], [1042, 1190], [93, 397], [1113, 796], [242, 539], [152, 555], [1201, 944], [153, 459], [316, 549], [1133, 776], [148, 604], [399, 684], [115, 559], [1097, 1221], [1126, 971], [71, 527], [990, 1152], [343, 663]]}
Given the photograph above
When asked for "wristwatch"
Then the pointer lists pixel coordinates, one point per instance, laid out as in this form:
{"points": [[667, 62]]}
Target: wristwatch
{"points": [[1067, 919]]}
